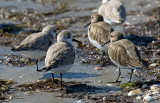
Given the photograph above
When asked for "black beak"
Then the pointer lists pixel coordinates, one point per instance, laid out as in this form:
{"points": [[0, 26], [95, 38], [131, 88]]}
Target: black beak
{"points": [[105, 43], [87, 25], [76, 40], [56, 34]]}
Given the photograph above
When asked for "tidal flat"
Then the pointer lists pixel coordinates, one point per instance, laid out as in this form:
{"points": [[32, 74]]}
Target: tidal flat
{"points": [[19, 81]]}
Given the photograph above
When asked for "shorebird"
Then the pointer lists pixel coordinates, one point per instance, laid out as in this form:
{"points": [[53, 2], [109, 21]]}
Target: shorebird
{"points": [[113, 12], [99, 32], [123, 53], [61, 55], [37, 44]]}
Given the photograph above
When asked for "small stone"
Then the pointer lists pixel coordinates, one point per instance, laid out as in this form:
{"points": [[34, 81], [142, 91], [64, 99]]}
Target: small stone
{"points": [[20, 76], [104, 99], [28, 92], [100, 81], [147, 99], [109, 85], [138, 97], [153, 65], [98, 68], [80, 101], [155, 88], [11, 97], [145, 86], [135, 92]]}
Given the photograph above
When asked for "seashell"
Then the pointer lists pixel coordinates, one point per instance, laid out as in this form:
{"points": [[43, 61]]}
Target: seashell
{"points": [[138, 98], [98, 68], [153, 65], [147, 99], [155, 88], [135, 92], [109, 85]]}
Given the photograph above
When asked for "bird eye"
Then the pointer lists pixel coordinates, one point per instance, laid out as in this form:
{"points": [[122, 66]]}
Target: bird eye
{"points": [[54, 30], [92, 17]]}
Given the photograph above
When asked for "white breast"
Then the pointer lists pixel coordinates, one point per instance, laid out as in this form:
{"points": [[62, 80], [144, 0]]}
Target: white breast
{"points": [[97, 44]]}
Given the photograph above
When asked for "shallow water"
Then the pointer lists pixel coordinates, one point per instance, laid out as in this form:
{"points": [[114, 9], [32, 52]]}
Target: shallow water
{"points": [[18, 5]]}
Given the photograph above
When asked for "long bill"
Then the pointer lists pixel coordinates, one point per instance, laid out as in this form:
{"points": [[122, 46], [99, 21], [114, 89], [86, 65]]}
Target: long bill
{"points": [[87, 24], [75, 40], [105, 43]]}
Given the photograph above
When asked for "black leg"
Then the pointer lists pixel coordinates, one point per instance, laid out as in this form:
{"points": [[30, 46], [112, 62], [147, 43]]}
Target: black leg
{"points": [[61, 78], [103, 59], [131, 74], [37, 64], [53, 78], [119, 74]]}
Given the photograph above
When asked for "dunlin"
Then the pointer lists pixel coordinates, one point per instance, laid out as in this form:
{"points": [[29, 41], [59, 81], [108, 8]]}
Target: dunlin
{"points": [[123, 53], [61, 55], [98, 31], [37, 44], [113, 12]]}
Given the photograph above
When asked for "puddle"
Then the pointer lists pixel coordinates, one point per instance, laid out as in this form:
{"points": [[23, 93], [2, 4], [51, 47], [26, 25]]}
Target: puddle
{"points": [[18, 5]]}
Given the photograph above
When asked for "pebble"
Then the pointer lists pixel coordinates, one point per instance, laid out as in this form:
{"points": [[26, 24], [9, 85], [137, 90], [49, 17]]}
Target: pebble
{"points": [[109, 84], [98, 68], [104, 99], [138, 97], [155, 88], [135, 92], [80, 101], [100, 81], [153, 65], [145, 86], [147, 99]]}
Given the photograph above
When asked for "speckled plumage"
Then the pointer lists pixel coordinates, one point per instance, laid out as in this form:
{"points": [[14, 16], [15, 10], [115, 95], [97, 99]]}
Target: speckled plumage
{"points": [[124, 53], [98, 31]]}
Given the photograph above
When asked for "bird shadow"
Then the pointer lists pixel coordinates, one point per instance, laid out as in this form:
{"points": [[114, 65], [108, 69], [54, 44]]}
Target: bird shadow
{"points": [[70, 75], [14, 29], [85, 88], [140, 40]]}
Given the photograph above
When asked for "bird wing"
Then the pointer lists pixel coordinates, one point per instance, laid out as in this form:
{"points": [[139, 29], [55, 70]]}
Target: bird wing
{"points": [[114, 10], [125, 53], [59, 54], [100, 31], [37, 41]]}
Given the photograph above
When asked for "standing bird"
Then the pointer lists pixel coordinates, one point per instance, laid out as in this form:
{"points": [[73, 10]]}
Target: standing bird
{"points": [[99, 32], [113, 12], [123, 53], [61, 55], [37, 44]]}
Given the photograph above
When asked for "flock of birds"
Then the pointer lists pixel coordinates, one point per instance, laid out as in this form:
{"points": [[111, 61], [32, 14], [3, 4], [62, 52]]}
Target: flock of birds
{"points": [[61, 55]]}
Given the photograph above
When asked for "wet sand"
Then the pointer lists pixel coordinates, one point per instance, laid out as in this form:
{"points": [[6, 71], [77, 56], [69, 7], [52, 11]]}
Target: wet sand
{"points": [[79, 72]]}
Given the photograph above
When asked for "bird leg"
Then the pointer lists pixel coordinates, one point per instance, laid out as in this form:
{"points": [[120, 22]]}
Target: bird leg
{"points": [[131, 75], [61, 78], [53, 78], [37, 64], [119, 74], [103, 59]]}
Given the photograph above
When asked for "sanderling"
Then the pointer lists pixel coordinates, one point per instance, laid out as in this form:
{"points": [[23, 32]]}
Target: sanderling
{"points": [[61, 55], [113, 12], [37, 44]]}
